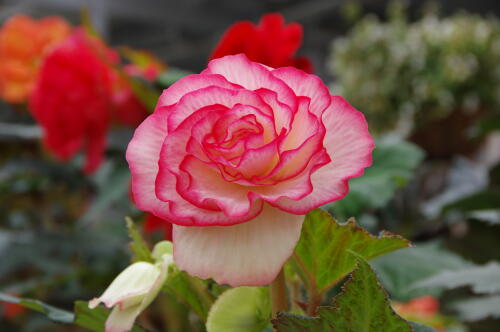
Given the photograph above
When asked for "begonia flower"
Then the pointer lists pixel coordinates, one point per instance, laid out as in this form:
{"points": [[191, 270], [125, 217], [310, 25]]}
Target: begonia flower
{"points": [[153, 224], [23, 44], [235, 156], [72, 98], [271, 42]]}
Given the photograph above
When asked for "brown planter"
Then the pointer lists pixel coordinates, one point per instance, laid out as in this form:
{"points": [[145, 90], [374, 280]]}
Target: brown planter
{"points": [[449, 136]]}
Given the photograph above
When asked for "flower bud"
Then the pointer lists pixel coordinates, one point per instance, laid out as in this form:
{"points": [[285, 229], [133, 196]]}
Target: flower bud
{"points": [[131, 292]]}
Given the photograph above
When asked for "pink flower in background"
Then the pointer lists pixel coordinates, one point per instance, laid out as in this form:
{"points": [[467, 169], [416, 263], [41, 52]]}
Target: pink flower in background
{"points": [[235, 156], [71, 99]]}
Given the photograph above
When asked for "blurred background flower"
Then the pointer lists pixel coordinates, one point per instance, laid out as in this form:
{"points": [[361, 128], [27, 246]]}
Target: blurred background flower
{"points": [[23, 44]]}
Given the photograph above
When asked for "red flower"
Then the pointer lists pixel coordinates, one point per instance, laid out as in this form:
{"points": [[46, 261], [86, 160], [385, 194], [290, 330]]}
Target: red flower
{"points": [[272, 42], [423, 306], [72, 98], [153, 224]]}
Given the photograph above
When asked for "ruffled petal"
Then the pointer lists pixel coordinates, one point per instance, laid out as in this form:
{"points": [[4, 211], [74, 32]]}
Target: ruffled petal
{"points": [[349, 146], [184, 212], [249, 254], [212, 96], [203, 183], [282, 113], [142, 155], [306, 85], [191, 83], [251, 75]]}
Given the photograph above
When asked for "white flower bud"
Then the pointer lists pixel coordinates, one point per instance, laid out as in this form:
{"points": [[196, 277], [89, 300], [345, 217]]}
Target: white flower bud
{"points": [[131, 292]]}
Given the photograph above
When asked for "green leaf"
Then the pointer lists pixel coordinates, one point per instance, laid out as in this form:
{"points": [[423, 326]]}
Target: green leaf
{"points": [[138, 246], [241, 309], [362, 306], [398, 270], [416, 327], [192, 291], [478, 308], [393, 166], [482, 279], [484, 200], [94, 319], [321, 257], [53, 313]]}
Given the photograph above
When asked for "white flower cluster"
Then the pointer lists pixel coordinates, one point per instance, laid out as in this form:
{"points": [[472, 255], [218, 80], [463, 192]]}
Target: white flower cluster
{"points": [[428, 68]]}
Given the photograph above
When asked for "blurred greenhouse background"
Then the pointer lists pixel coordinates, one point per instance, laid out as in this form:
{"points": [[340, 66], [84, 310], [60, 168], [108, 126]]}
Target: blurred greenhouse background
{"points": [[427, 77]]}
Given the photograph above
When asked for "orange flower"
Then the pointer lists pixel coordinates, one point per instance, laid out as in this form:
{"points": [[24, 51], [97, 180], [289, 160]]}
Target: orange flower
{"points": [[23, 43]]}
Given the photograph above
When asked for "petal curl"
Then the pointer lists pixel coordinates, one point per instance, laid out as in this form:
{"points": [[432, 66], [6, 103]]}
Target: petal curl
{"points": [[203, 183], [249, 254], [211, 96], [349, 146], [251, 75], [306, 85], [191, 83], [142, 155], [194, 212]]}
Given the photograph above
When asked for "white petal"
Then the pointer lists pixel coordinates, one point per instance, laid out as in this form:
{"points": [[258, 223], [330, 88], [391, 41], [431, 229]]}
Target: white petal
{"points": [[247, 254], [130, 287], [122, 320]]}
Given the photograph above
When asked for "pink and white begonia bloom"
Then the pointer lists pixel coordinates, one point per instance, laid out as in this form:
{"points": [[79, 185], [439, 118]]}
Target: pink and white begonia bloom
{"points": [[235, 156]]}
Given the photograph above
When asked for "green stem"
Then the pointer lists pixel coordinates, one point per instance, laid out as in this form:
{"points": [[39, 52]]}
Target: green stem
{"points": [[279, 298]]}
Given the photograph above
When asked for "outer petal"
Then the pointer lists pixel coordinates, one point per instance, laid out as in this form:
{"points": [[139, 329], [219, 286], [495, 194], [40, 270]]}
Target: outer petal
{"points": [[248, 254], [349, 146], [306, 85], [143, 153], [191, 83], [122, 320], [239, 70]]}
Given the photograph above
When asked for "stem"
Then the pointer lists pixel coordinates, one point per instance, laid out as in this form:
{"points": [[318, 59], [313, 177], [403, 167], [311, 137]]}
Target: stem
{"points": [[279, 298], [314, 301]]}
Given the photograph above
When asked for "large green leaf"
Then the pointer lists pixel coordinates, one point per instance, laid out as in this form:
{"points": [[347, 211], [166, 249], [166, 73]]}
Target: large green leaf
{"points": [[362, 306], [398, 270], [241, 309], [192, 291], [53, 313], [321, 257], [482, 279], [94, 319], [483, 200], [393, 166], [478, 308]]}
